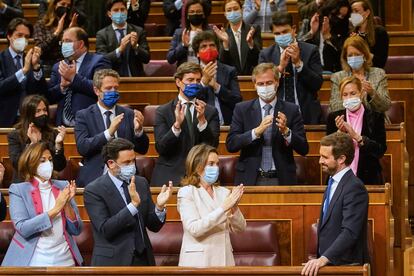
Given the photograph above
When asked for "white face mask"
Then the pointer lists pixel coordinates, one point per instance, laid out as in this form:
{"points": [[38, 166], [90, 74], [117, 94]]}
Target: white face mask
{"points": [[352, 104], [19, 44], [356, 19], [266, 93], [45, 169]]}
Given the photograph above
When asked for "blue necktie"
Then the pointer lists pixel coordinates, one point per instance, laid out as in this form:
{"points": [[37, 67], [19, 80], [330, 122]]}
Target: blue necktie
{"points": [[18, 63], [267, 156], [327, 200]]}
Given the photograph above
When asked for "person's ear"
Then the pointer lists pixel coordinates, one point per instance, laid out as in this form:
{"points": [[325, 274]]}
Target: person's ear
{"points": [[96, 90], [109, 14]]}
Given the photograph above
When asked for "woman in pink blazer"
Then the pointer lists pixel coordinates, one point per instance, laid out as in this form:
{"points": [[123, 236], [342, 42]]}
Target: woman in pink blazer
{"points": [[208, 212]]}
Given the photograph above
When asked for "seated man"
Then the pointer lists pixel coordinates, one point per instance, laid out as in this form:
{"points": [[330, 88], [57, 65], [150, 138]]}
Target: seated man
{"points": [[300, 65], [342, 228], [20, 73], [103, 121], [120, 213], [266, 130], [220, 80], [70, 83], [182, 123], [125, 45]]}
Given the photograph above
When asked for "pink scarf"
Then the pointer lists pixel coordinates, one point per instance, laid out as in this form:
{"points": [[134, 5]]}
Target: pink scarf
{"points": [[355, 119]]}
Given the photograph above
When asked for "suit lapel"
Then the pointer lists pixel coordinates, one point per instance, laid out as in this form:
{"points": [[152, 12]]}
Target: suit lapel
{"points": [[256, 113], [112, 38], [233, 47], [278, 107], [113, 192], [97, 117], [243, 46], [85, 63], [121, 129]]}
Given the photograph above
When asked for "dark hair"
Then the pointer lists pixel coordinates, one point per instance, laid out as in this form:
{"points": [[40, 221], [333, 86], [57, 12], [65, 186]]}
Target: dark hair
{"points": [[27, 114], [15, 22], [186, 68], [204, 35], [50, 18], [206, 11], [111, 150], [281, 18], [110, 3], [341, 144], [81, 34], [30, 159], [370, 32], [228, 1]]}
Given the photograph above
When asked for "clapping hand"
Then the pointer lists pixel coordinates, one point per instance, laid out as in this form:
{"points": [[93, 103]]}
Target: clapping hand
{"points": [[164, 195], [138, 120], [135, 198], [34, 134]]}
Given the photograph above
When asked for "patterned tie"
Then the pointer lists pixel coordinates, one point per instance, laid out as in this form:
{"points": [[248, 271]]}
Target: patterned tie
{"points": [[327, 200], [67, 108], [18, 63], [267, 156], [189, 119], [237, 37], [289, 85], [108, 114], [139, 234]]}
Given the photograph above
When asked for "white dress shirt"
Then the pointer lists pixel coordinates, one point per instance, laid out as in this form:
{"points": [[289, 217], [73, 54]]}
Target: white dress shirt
{"points": [[192, 109]]}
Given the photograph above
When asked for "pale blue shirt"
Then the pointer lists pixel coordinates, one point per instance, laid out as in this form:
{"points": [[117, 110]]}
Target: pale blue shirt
{"points": [[20, 76], [132, 209]]}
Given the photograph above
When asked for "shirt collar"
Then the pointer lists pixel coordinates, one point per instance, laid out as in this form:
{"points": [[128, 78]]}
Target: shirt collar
{"points": [[13, 53], [117, 28], [263, 103], [184, 101], [238, 30], [42, 184], [80, 59], [338, 176], [103, 110], [115, 180]]}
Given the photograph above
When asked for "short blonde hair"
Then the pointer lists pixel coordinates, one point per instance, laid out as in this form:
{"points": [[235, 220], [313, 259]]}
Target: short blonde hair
{"points": [[263, 67], [196, 159], [101, 74], [361, 45], [351, 79]]}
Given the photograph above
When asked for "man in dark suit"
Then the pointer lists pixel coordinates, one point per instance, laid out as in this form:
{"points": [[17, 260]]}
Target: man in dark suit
{"points": [[20, 73], [300, 65], [70, 82], [342, 228], [221, 87], [266, 130], [9, 9], [125, 45], [103, 121], [120, 213], [182, 123]]}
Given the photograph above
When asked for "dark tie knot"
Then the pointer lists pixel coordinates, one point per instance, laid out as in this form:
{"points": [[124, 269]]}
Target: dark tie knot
{"points": [[108, 113]]}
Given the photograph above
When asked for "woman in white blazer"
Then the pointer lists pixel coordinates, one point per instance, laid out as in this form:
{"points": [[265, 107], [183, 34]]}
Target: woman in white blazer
{"points": [[208, 212]]}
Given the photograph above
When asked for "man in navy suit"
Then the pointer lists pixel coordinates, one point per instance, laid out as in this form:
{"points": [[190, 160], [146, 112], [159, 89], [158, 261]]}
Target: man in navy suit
{"points": [[300, 65], [342, 228], [103, 121], [20, 73], [266, 130], [70, 82], [123, 43], [219, 80]]}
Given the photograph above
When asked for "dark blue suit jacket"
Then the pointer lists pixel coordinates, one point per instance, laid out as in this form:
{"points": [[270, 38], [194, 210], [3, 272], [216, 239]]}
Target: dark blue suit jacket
{"points": [[247, 116], [229, 93], [83, 94], [309, 80], [11, 91], [90, 139], [342, 236]]}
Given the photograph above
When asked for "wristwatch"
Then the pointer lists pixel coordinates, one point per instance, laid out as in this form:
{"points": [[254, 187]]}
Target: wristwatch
{"points": [[286, 134]]}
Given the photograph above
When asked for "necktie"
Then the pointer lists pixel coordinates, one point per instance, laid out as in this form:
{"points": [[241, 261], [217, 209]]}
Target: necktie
{"points": [[139, 235], [327, 200], [289, 85], [237, 37], [124, 69], [18, 62], [108, 114], [67, 108], [267, 156], [189, 119]]}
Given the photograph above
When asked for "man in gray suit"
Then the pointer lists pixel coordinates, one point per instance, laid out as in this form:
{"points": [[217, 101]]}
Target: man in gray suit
{"points": [[120, 213]]}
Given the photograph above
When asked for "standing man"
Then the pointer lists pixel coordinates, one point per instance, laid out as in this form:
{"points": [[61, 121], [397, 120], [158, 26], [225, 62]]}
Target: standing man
{"points": [[124, 44], [182, 123], [342, 228], [266, 130], [221, 87], [70, 82], [20, 72], [120, 213], [300, 65], [102, 122]]}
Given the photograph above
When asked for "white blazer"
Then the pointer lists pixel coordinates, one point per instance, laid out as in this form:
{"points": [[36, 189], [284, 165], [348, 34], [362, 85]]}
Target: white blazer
{"points": [[206, 239]]}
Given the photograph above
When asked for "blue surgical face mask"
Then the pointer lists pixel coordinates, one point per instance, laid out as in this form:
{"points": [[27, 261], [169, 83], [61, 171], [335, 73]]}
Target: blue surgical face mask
{"points": [[284, 40], [119, 18], [67, 49], [355, 62], [110, 98], [191, 90], [126, 172], [211, 174], [234, 16]]}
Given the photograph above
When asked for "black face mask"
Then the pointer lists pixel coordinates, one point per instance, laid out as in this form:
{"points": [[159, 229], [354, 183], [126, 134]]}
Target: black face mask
{"points": [[60, 11], [196, 19], [41, 121]]}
